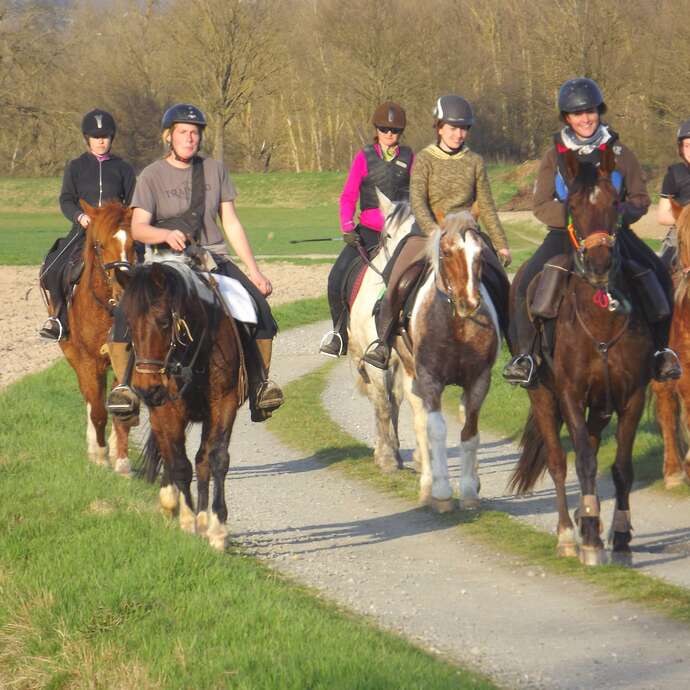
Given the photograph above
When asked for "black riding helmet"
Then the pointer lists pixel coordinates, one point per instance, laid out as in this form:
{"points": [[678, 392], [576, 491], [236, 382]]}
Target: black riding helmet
{"points": [[97, 124], [683, 131], [576, 95], [454, 110], [183, 112]]}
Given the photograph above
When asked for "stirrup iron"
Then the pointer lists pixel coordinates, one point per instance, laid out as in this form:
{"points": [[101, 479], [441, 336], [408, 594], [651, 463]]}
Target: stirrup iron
{"points": [[331, 334]]}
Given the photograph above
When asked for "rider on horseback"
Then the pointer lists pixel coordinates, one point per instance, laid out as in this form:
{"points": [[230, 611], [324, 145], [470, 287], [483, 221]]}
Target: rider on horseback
{"points": [[676, 186], [447, 177], [581, 105], [96, 176], [164, 201], [384, 164]]}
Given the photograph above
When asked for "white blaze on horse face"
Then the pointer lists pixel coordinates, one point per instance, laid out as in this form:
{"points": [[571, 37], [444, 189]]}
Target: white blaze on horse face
{"points": [[121, 236], [472, 250], [594, 195]]}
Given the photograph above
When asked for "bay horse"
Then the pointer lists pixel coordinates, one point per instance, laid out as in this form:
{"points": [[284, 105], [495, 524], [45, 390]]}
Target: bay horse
{"points": [[108, 252], [673, 397], [601, 363], [379, 385], [454, 337], [187, 368]]}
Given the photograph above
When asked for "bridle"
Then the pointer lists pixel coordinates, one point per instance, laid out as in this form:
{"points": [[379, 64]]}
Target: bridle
{"points": [[170, 367], [445, 287], [106, 269]]}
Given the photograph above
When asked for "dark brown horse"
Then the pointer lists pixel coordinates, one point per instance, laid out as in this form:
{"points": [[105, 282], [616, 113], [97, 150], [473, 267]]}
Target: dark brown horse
{"points": [[187, 369], [673, 397], [108, 250], [601, 364]]}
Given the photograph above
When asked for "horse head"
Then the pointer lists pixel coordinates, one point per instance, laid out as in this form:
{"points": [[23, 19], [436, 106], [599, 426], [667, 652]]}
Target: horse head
{"points": [[398, 220], [592, 215], [109, 241], [456, 259], [168, 325]]}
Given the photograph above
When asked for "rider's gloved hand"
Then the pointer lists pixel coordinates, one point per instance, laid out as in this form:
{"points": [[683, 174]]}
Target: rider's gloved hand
{"points": [[352, 238]]}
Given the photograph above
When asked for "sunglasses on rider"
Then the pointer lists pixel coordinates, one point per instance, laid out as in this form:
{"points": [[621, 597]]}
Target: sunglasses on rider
{"points": [[392, 130]]}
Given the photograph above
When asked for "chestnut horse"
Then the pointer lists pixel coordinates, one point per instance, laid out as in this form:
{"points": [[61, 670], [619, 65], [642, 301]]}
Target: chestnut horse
{"points": [[453, 339], [673, 397], [108, 252], [187, 368], [601, 364]]}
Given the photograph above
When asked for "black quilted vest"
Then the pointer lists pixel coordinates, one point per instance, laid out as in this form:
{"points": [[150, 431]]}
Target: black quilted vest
{"points": [[392, 177]]}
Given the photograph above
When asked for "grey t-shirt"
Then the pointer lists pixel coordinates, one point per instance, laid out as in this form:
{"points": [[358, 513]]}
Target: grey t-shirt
{"points": [[166, 191]]}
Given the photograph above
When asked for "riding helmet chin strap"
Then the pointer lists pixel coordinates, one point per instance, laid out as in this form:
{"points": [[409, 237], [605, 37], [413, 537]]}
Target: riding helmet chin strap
{"points": [[177, 156]]}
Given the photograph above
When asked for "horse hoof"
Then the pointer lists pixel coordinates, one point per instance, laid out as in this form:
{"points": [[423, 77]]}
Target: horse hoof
{"points": [[388, 465], [592, 556], [567, 550], [202, 523], [188, 526], [674, 480], [442, 505], [470, 503], [122, 467], [623, 558], [98, 458]]}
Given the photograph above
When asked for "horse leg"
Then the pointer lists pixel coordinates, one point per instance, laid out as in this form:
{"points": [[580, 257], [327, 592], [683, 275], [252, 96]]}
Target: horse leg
{"points": [[394, 400], [419, 417], [547, 418], [169, 424], [386, 448], [592, 550], [430, 391], [683, 420], [92, 386], [667, 416], [622, 472], [203, 478], [469, 440], [118, 447]]}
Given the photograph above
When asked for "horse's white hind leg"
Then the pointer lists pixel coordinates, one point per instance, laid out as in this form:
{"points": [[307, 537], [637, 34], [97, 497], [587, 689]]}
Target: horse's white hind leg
{"points": [[187, 516], [119, 462], [441, 491], [386, 449], [216, 533], [95, 453], [419, 417], [469, 473], [169, 497]]}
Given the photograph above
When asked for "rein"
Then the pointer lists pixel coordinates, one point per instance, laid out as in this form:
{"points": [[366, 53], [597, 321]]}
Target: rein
{"points": [[106, 268]]}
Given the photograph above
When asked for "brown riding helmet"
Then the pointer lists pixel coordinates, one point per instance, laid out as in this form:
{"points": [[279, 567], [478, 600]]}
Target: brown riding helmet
{"points": [[389, 114]]}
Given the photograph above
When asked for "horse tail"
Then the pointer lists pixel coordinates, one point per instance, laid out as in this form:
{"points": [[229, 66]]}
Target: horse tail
{"points": [[150, 460], [532, 463]]}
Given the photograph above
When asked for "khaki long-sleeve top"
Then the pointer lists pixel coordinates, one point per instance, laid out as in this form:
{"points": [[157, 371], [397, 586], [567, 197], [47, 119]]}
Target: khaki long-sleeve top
{"points": [[442, 184], [552, 212]]}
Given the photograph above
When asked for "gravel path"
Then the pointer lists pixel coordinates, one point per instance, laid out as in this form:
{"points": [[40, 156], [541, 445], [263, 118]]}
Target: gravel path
{"points": [[384, 558]]}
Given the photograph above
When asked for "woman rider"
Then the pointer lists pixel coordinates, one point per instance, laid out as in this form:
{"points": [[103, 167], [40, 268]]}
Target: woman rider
{"points": [[676, 186], [581, 105], [96, 176], [162, 195], [447, 177], [384, 164]]}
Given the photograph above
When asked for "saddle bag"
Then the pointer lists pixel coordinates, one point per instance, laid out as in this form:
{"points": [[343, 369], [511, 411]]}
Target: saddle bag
{"points": [[550, 288], [648, 290]]}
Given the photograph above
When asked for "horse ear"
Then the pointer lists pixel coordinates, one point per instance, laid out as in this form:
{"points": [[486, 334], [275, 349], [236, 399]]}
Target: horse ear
{"points": [[385, 204], [607, 163], [676, 208], [572, 165], [87, 208]]}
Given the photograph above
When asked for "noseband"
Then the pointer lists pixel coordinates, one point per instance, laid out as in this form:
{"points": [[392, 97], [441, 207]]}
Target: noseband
{"points": [[106, 269], [169, 367]]}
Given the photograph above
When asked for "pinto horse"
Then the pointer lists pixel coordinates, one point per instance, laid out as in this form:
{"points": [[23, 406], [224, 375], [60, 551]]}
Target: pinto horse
{"points": [[377, 385], [187, 368], [108, 252], [673, 397], [601, 364], [453, 339]]}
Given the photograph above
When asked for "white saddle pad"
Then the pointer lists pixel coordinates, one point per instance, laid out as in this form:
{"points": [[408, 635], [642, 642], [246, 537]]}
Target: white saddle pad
{"points": [[236, 298]]}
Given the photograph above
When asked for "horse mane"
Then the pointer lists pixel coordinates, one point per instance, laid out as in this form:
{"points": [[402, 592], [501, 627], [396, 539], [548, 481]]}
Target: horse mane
{"points": [[400, 213]]}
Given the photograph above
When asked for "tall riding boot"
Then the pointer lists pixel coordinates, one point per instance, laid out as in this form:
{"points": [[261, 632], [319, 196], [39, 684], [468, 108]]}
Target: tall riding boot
{"points": [[264, 395], [522, 368], [122, 402], [386, 321]]}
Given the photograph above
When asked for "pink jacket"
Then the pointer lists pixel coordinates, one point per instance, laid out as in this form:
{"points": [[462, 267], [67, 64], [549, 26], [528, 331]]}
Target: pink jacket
{"points": [[370, 217]]}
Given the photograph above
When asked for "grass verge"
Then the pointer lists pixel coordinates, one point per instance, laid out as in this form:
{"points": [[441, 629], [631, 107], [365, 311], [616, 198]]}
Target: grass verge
{"points": [[99, 590], [305, 425]]}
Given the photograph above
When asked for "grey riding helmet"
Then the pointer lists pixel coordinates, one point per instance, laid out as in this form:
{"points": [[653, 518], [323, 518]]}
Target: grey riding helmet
{"points": [[577, 95], [683, 131], [454, 110], [97, 124], [183, 112]]}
